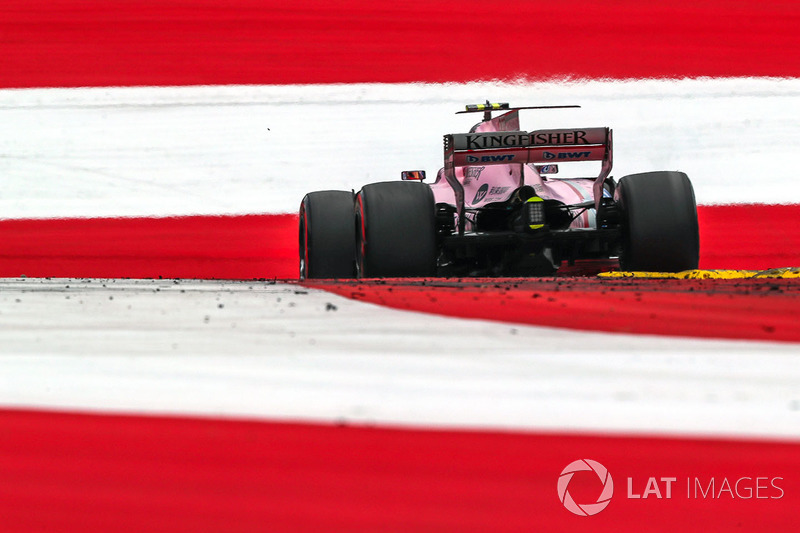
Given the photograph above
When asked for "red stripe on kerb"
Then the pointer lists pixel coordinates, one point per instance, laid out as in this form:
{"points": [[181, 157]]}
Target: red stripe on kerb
{"points": [[255, 246], [759, 309], [221, 247], [74, 43], [77, 473]]}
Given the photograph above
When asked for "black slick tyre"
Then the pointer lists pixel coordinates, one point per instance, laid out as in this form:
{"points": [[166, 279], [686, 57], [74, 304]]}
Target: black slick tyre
{"points": [[660, 231], [396, 227], [327, 235]]}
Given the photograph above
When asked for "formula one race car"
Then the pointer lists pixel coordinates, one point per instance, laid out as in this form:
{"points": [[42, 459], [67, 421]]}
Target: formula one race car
{"points": [[497, 209]]}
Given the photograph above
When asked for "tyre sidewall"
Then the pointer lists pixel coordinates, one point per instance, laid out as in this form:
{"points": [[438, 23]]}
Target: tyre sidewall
{"points": [[396, 230], [327, 235], [660, 230]]}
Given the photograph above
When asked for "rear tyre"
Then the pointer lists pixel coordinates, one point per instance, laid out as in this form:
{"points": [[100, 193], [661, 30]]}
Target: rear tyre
{"points": [[327, 235], [660, 232], [396, 228]]}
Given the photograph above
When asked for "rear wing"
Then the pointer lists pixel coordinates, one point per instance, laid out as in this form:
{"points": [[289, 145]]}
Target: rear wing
{"points": [[521, 147]]}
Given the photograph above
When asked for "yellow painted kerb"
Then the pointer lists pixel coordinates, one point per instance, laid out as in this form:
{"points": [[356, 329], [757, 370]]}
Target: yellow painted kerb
{"points": [[782, 273]]}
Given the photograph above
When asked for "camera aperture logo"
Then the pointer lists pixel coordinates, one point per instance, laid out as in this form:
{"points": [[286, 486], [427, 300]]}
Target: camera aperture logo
{"points": [[591, 508]]}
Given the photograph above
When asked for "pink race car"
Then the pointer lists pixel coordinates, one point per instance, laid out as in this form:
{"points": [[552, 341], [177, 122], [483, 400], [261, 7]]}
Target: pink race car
{"points": [[497, 208]]}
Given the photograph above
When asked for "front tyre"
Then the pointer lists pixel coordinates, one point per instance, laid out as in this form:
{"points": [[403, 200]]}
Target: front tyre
{"points": [[327, 235], [660, 231], [396, 229]]}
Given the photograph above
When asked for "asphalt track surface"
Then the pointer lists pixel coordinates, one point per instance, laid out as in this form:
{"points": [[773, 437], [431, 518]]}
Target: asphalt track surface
{"points": [[77, 472]]}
